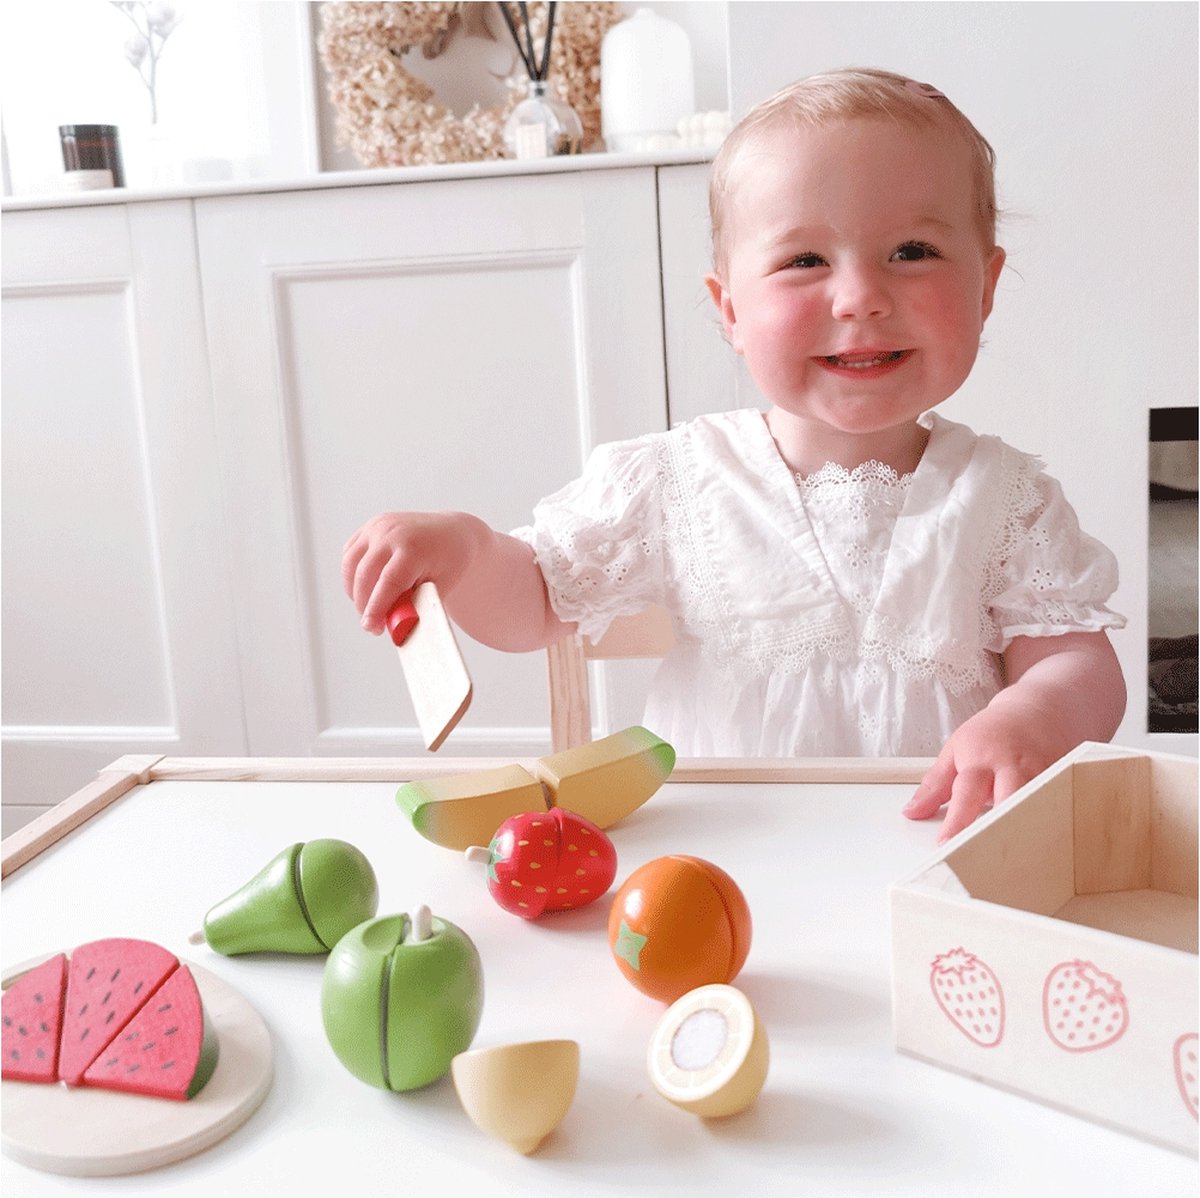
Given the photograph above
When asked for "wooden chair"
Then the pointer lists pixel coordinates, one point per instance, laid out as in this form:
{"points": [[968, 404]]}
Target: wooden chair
{"points": [[648, 634]]}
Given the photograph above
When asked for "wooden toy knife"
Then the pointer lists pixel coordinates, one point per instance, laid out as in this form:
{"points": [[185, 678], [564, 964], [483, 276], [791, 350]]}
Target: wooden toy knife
{"points": [[434, 669]]}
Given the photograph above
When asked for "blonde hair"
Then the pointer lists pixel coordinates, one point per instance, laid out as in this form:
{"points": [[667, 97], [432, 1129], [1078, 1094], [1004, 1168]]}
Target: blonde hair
{"points": [[856, 93]]}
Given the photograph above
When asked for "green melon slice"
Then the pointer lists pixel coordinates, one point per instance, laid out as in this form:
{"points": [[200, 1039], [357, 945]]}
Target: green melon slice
{"points": [[33, 1007], [169, 1049], [108, 982]]}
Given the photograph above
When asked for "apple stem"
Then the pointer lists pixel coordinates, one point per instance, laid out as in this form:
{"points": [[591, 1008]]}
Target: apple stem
{"points": [[196, 938], [478, 854], [422, 923]]}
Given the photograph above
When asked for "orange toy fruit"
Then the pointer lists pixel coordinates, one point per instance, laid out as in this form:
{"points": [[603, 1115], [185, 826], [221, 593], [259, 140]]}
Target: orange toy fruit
{"points": [[677, 923]]}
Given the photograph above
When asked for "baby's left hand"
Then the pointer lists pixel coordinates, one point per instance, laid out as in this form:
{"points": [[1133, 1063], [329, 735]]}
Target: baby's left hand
{"points": [[988, 758]]}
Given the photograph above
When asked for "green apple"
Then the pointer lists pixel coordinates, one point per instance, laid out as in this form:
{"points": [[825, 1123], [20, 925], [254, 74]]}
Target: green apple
{"points": [[401, 998]]}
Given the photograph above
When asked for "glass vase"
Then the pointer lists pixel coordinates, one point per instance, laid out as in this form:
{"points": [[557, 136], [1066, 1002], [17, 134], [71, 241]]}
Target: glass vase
{"points": [[542, 126]]}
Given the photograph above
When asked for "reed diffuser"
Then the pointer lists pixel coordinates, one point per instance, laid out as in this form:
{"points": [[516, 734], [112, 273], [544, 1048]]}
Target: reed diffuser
{"points": [[542, 125]]}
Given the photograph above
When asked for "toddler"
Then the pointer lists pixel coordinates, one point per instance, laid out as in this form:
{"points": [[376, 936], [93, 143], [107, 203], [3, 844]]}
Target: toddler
{"points": [[848, 573]]}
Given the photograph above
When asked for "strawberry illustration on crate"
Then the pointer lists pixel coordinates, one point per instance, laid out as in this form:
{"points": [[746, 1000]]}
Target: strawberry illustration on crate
{"points": [[543, 861], [1083, 1008], [1185, 1070], [970, 994]]}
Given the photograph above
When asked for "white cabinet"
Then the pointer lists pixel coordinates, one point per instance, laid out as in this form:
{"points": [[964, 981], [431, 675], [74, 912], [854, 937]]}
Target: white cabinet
{"points": [[117, 604], [204, 397], [442, 345]]}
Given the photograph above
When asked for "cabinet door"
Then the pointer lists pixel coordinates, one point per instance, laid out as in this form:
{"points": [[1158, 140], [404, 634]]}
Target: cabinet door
{"points": [[703, 373], [117, 623], [453, 344]]}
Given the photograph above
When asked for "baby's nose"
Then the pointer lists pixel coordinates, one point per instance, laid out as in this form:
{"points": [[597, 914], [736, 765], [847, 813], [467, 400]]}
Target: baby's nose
{"points": [[860, 294]]}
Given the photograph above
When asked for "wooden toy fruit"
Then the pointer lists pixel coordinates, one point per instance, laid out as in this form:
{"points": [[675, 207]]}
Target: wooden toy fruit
{"points": [[518, 1093], [677, 923], [33, 1008], [603, 782], [460, 810], [302, 901], [709, 1052], [547, 861], [168, 1049], [401, 998], [608, 779], [107, 983], [120, 1014]]}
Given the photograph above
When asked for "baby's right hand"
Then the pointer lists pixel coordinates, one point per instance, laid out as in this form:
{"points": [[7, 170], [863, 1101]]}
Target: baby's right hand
{"points": [[394, 551]]}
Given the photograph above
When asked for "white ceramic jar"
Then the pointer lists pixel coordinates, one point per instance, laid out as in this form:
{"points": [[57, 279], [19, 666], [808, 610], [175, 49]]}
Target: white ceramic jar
{"points": [[646, 80]]}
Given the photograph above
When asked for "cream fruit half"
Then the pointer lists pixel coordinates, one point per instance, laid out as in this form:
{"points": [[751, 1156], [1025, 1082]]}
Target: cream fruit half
{"points": [[709, 1052]]}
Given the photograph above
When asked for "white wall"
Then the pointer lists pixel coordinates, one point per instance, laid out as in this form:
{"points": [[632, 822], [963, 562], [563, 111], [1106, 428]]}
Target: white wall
{"points": [[1091, 108]]}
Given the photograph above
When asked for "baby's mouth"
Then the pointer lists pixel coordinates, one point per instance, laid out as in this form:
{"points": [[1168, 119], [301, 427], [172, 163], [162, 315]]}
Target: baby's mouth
{"points": [[864, 361]]}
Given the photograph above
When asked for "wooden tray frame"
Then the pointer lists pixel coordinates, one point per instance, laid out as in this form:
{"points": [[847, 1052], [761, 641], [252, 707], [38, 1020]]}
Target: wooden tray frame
{"points": [[133, 770]]}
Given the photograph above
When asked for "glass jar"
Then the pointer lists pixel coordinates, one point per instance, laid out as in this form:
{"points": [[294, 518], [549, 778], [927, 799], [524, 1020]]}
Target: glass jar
{"points": [[542, 126]]}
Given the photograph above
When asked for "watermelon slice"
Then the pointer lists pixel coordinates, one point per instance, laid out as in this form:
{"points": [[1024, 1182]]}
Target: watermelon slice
{"points": [[169, 1049], [108, 982], [33, 1007]]}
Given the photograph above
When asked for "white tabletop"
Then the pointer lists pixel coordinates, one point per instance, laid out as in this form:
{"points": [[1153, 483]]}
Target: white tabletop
{"points": [[842, 1113]]}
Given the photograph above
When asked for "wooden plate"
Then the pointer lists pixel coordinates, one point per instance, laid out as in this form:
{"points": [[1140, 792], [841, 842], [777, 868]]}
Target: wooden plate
{"points": [[102, 1133]]}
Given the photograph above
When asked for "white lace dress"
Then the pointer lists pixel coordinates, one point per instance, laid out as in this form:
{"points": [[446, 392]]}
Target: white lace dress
{"points": [[852, 613]]}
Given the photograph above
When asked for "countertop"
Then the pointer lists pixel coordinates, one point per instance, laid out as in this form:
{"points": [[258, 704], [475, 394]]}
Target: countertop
{"points": [[842, 1113], [374, 177]]}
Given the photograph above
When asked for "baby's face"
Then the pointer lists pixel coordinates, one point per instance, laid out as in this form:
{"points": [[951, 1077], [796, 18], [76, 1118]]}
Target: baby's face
{"points": [[855, 282]]}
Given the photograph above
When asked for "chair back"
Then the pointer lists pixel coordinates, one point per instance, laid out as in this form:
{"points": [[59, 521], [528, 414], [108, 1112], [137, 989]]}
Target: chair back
{"points": [[648, 634]]}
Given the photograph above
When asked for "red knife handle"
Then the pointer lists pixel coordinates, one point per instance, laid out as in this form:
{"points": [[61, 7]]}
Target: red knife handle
{"points": [[402, 619]]}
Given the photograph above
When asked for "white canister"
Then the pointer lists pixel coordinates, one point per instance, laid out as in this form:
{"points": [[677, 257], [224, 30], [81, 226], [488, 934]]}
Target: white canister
{"points": [[646, 81]]}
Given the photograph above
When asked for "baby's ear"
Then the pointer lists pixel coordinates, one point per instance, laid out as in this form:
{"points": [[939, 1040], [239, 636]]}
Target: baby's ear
{"points": [[720, 296]]}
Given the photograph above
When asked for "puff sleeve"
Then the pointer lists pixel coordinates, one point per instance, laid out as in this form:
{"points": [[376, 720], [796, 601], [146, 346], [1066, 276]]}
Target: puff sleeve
{"points": [[598, 540], [1057, 578]]}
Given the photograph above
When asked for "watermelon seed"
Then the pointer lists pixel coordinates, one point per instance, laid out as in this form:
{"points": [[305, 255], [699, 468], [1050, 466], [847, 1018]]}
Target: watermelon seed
{"points": [[165, 1007], [83, 1034], [133, 1068], [83, 1010], [109, 1018], [8, 1021], [149, 1045], [131, 1036], [90, 973], [40, 1053], [45, 1027], [37, 998], [169, 1065], [170, 1031], [111, 1062], [116, 974], [22, 1032], [15, 1054], [104, 1000], [138, 987]]}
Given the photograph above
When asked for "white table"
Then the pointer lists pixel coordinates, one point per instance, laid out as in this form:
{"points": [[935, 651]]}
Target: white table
{"points": [[842, 1113]]}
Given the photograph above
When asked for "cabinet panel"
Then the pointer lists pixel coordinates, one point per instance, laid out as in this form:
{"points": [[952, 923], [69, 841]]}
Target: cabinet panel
{"points": [[117, 629], [703, 373], [83, 618], [431, 345]]}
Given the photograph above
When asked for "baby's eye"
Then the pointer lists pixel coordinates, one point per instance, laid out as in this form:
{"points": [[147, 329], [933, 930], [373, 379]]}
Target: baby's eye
{"points": [[807, 261], [915, 251]]}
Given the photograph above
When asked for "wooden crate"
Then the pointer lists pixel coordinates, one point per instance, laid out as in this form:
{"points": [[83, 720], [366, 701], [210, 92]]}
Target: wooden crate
{"points": [[1051, 947]]}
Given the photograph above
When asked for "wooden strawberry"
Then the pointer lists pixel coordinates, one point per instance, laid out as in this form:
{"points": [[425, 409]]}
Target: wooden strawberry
{"points": [[1082, 1007], [970, 995], [541, 861]]}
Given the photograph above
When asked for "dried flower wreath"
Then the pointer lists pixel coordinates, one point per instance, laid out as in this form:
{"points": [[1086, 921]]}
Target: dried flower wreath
{"points": [[388, 117]]}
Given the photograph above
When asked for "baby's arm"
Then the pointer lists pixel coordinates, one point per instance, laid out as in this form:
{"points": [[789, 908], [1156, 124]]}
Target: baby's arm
{"points": [[1061, 690], [490, 582]]}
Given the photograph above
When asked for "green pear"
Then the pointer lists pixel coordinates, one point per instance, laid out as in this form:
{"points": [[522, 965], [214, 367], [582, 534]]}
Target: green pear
{"points": [[302, 901]]}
